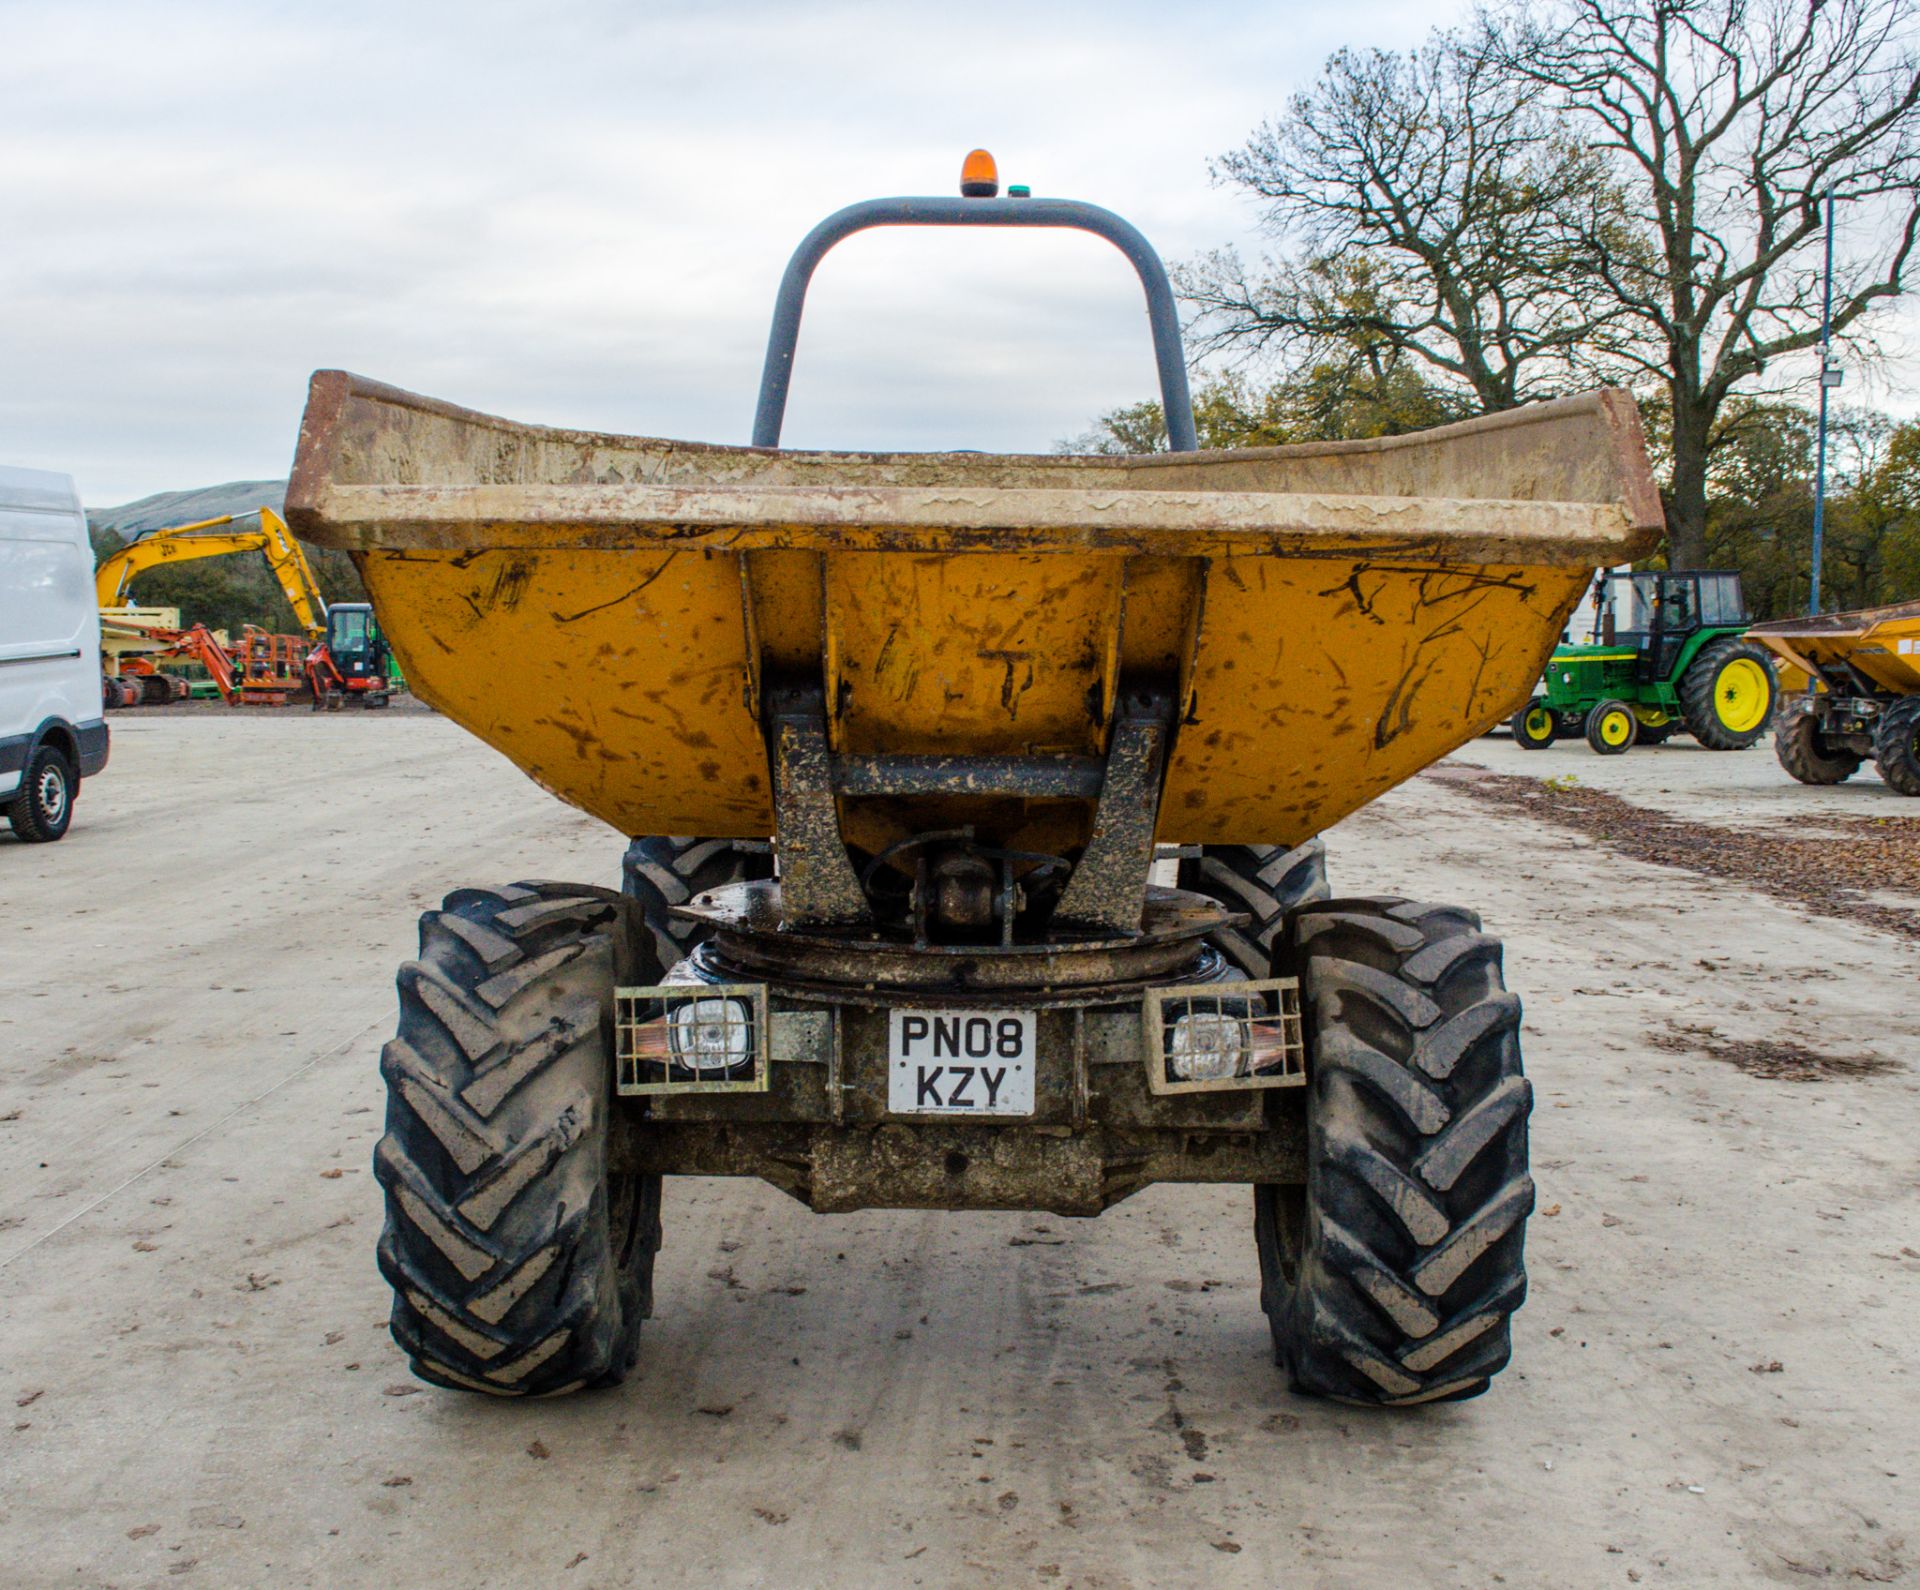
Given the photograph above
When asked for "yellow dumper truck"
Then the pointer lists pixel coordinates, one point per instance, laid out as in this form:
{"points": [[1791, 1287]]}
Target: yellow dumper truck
{"points": [[900, 739], [1857, 678]]}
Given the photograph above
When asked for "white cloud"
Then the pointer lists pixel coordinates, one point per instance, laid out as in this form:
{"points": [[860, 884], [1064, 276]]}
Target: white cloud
{"points": [[578, 212]]}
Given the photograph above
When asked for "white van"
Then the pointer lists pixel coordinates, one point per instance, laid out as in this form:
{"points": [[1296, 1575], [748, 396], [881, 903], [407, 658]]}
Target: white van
{"points": [[52, 733]]}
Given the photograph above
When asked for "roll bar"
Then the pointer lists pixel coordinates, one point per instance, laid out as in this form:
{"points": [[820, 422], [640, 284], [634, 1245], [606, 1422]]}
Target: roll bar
{"points": [[1175, 399]]}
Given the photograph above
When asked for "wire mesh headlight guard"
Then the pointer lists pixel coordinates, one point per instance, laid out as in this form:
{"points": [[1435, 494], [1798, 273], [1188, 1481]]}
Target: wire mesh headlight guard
{"points": [[690, 1038], [1211, 1037]]}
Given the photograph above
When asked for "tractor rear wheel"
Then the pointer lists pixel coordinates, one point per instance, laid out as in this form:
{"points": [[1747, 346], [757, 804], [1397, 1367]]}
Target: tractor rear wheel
{"points": [[1611, 727], [1392, 1276], [661, 873], [1804, 752], [1896, 746], [1534, 726], [1265, 881], [520, 1265], [1727, 693]]}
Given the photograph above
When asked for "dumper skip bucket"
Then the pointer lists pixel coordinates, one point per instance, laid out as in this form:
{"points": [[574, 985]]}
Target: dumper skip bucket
{"points": [[620, 615]]}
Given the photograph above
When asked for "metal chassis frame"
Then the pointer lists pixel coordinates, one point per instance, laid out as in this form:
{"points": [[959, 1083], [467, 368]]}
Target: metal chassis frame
{"points": [[1107, 891], [1176, 401]]}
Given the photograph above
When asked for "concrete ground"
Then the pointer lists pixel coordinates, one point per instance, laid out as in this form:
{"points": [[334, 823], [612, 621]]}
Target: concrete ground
{"points": [[1716, 1381]]}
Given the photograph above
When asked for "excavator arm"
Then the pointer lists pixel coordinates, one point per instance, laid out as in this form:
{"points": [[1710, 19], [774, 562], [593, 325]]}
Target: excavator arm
{"points": [[183, 543], [295, 574]]}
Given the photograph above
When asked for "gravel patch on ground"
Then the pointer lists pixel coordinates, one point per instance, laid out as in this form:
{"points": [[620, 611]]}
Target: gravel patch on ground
{"points": [[1836, 873]]}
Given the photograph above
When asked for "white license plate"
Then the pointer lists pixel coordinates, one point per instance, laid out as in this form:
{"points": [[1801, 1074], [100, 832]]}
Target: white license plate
{"points": [[960, 1062]]}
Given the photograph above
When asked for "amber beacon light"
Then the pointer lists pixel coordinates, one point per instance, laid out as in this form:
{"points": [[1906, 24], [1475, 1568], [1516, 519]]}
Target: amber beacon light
{"points": [[979, 176]]}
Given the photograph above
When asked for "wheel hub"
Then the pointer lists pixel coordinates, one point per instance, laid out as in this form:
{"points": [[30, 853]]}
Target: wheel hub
{"points": [[52, 793], [1741, 694]]}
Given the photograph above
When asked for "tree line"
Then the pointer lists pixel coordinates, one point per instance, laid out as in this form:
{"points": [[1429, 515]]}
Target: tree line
{"points": [[1564, 193]]}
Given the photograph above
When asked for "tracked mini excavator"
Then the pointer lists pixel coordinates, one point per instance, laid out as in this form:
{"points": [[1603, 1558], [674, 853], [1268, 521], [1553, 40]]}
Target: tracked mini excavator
{"points": [[933, 718]]}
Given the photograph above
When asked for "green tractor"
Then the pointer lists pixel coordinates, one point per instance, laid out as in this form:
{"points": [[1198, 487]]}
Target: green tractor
{"points": [[1670, 654]]}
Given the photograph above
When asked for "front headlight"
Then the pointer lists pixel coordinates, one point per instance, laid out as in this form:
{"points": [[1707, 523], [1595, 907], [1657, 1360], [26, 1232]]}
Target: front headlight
{"points": [[710, 1034], [1224, 1035], [690, 1037], [1207, 1048]]}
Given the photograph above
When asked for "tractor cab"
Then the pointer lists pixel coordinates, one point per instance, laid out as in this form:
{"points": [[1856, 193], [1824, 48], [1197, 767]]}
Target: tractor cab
{"points": [[1668, 653], [1656, 613]]}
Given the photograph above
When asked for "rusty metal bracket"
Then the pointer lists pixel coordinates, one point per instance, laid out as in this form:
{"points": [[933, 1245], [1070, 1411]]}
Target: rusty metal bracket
{"points": [[1108, 889], [818, 886]]}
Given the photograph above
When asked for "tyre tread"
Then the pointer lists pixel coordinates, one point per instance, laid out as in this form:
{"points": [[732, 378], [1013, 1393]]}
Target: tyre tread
{"points": [[1896, 755], [1410, 1261], [1797, 748], [508, 1274], [661, 872], [1696, 694], [1265, 881]]}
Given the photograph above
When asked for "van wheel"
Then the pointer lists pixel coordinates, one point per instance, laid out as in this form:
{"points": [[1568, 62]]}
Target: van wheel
{"points": [[42, 808]]}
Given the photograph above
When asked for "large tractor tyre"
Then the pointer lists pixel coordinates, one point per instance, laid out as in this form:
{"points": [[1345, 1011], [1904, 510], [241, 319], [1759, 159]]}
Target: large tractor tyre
{"points": [[1612, 728], [1265, 881], [520, 1265], [659, 874], [1534, 726], [1391, 1277], [1896, 746], [1803, 750], [1727, 694], [41, 809]]}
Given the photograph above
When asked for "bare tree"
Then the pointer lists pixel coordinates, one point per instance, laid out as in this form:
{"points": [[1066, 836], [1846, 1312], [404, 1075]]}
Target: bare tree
{"points": [[1429, 208], [1727, 122]]}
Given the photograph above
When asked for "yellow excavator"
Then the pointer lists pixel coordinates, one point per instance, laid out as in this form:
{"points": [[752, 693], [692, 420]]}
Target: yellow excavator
{"points": [[262, 669], [183, 543]]}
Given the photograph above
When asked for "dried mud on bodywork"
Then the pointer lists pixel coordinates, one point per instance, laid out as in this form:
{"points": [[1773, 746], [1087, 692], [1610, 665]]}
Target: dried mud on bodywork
{"points": [[1831, 876]]}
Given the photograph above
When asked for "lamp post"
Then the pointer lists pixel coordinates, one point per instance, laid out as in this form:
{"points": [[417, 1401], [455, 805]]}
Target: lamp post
{"points": [[1829, 379]]}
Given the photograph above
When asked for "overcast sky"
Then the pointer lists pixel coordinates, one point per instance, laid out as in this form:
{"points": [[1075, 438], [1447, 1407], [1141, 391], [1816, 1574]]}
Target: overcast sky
{"points": [[577, 212]]}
